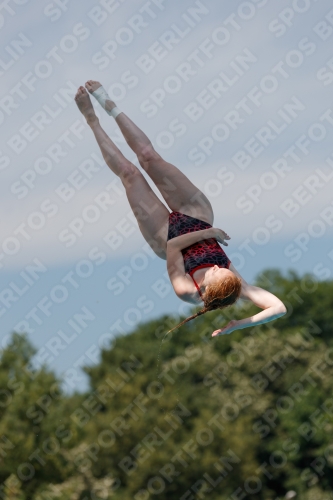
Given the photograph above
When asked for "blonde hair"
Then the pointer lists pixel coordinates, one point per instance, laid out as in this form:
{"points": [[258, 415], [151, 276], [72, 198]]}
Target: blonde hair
{"points": [[217, 296]]}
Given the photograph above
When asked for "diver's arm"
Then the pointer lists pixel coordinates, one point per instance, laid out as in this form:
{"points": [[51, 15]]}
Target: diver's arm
{"points": [[185, 240], [272, 306], [182, 284]]}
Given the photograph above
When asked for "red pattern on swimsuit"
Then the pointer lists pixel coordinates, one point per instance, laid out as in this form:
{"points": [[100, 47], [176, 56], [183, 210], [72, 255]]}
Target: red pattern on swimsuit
{"points": [[204, 253]]}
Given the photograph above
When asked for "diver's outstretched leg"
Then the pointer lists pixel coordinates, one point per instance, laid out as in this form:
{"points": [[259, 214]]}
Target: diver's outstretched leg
{"points": [[178, 191], [151, 214]]}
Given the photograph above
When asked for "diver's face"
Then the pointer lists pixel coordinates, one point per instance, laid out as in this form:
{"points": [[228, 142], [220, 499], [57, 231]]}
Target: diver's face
{"points": [[216, 274]]}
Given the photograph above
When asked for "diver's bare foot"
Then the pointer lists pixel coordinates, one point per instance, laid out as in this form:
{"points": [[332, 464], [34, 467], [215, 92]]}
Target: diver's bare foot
{"points": [[91, 86], [83, 102]]}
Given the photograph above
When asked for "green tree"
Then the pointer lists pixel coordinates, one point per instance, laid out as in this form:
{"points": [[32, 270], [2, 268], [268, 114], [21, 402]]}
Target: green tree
{"points": [[246, 415], [34, 428]]}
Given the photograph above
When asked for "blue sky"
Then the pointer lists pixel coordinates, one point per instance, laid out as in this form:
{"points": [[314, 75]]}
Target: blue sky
{"points": [[237, 95]]}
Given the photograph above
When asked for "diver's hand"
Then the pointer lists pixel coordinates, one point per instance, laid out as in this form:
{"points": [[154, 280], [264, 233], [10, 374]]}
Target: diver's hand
{"points": [[230, 327], [220, 236]]}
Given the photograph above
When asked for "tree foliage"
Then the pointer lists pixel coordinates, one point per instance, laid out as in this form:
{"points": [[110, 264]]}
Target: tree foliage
{"points": [[247, 415]]}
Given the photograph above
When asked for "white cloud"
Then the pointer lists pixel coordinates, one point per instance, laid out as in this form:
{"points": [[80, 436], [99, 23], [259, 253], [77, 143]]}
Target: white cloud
{"points": [[78, 67]]}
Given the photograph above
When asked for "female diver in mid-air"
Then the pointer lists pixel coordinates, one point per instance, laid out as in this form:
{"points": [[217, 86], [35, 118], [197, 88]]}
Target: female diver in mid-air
{"points": [[199, 270]]}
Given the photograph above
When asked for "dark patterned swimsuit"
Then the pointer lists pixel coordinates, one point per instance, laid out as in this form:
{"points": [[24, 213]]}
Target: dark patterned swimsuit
{"points": [[204, 253]]}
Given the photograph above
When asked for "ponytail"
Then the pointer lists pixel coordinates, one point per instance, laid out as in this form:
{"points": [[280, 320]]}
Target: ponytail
{"points": [[203, 311]]}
